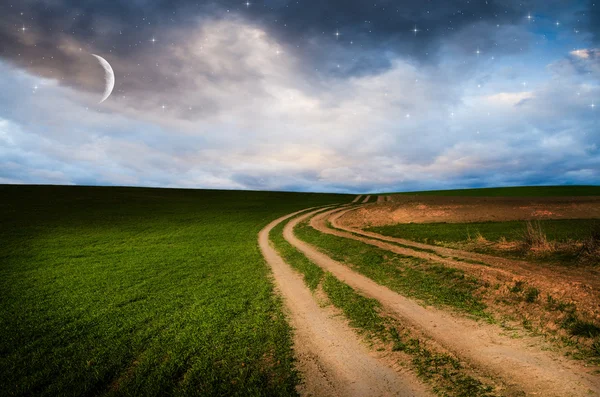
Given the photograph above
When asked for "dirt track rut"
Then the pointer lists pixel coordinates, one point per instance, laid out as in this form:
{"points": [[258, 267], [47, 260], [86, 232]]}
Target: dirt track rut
{"points": [[516, 361], [331, 358], [551, 279]]}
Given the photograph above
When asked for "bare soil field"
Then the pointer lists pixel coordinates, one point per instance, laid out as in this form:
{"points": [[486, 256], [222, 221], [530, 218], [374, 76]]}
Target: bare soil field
{"points": [[429, 209]]}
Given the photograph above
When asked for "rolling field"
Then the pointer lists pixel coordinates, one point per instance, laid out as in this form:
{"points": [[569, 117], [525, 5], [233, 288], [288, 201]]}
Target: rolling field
{"points": [[148, 292], [129, 291]]}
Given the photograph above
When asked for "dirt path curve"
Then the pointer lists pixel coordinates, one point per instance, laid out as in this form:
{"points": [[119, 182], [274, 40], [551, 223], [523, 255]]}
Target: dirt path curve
{"points": [[515, 361], [545, 276], [357, 198], [366, 200], [331, 358]]}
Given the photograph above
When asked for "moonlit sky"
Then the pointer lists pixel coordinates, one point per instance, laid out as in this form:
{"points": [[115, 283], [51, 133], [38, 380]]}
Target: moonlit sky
{"points": [[306, 95]]}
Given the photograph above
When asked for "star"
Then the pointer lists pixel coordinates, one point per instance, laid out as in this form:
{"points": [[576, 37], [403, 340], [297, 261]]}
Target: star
{"points": [[247, 4], [415, 30], [153, 40], [593, 106], [529, 17], [23, 29], [557, 23], [478, 52], [337, 34]]}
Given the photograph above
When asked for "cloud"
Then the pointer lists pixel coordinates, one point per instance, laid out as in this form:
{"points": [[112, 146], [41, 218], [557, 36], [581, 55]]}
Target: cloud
{"points": [[241, 112]]}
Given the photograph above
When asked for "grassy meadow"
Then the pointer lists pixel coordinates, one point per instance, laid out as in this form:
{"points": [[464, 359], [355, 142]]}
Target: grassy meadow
{"points": [[133, 291]]}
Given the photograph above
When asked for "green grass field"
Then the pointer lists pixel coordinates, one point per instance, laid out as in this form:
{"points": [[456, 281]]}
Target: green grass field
{"points": [[563, 234], [556, 230], [521, 191], [130, 291]]}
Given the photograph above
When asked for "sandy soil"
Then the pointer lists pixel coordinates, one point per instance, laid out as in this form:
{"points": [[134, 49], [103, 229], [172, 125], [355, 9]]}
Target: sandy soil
{"points": [[331, 358], [518, 362], [424, 209]]}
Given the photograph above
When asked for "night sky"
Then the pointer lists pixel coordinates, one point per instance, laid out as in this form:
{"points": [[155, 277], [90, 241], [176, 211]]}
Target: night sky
{"points": [[307, 95]]}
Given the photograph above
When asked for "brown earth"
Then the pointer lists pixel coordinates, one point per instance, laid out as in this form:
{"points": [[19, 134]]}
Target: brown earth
{"points": [[426, 209], [520, 363], [331, 358]]}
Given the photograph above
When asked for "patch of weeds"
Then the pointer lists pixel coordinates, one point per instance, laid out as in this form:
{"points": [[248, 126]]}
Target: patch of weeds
{"points": [[533, 237], [584, 328], [531, 294], [556, 305], [596, 347], [590, 250], [517, 288]]}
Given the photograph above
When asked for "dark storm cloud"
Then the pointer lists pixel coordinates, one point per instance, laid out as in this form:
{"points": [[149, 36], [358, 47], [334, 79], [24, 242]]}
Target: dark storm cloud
{"points": [[595, 20], [55, 29]]}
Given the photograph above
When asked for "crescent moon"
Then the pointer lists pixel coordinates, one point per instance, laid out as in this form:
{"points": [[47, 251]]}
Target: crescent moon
{"points": [[109, 76]]}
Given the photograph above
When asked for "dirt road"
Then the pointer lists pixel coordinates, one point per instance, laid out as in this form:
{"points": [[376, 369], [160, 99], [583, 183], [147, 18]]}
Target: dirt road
{"points": [[331, 358], [357, 198], [518, 362], [550, 279]]}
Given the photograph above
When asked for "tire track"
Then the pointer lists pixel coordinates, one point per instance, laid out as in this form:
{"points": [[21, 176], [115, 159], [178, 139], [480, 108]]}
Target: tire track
{"points": [[330, 356], [357, 198], [516, 361], [502, 268]]}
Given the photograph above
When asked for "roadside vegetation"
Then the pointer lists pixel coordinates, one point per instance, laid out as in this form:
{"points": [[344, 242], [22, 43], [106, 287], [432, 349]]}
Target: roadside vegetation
{"points": [[129, 291], [447, 375]]}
